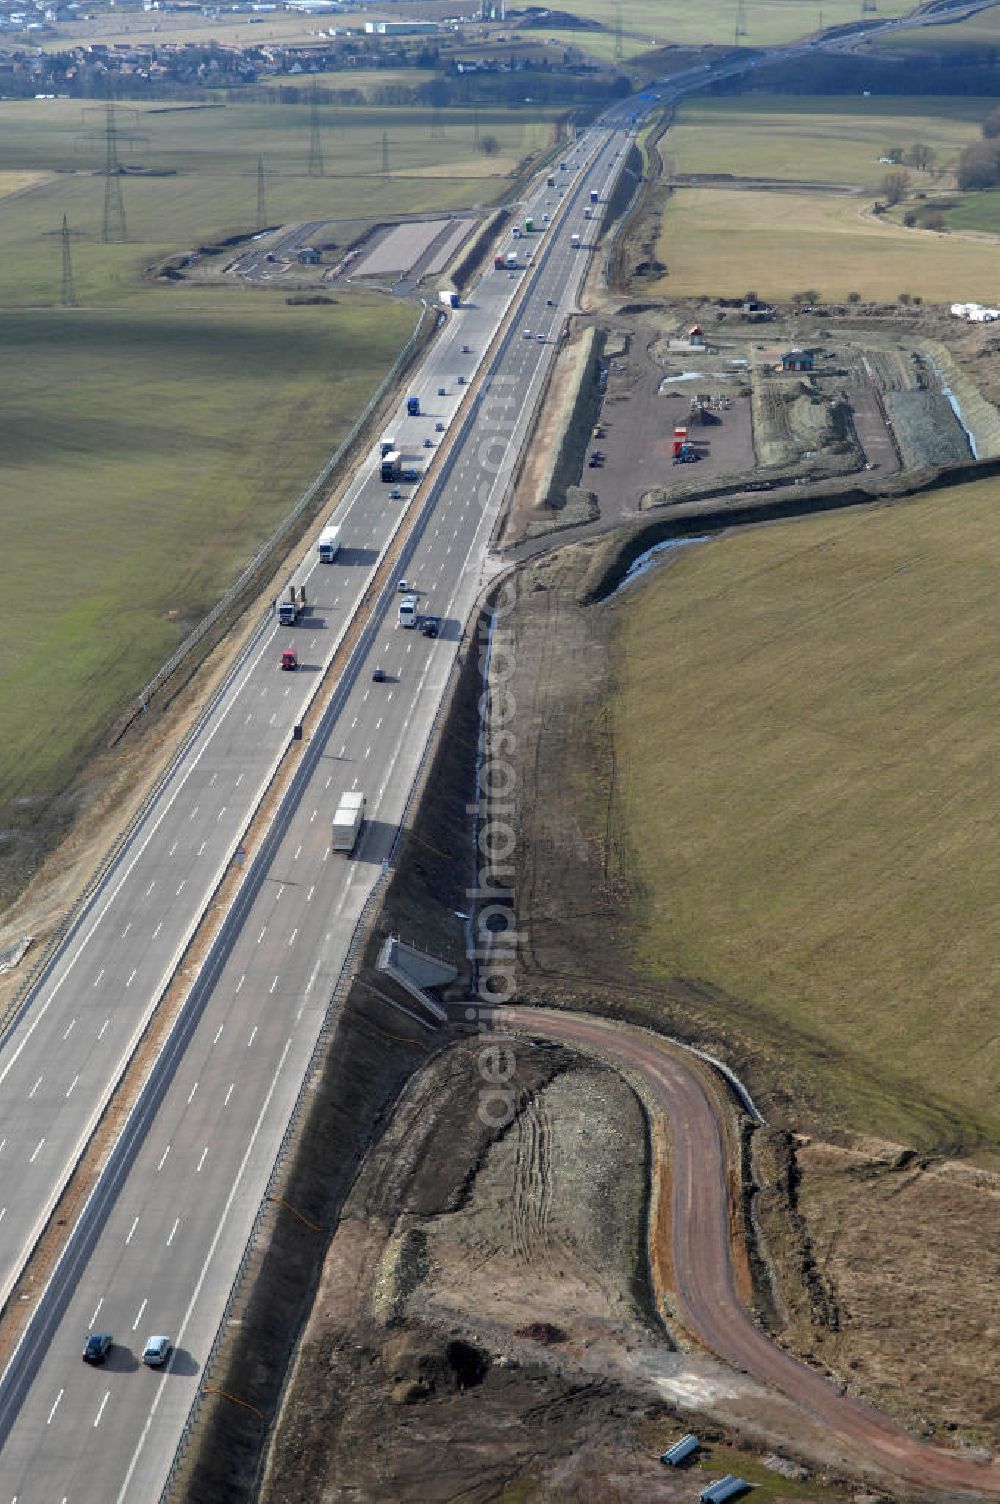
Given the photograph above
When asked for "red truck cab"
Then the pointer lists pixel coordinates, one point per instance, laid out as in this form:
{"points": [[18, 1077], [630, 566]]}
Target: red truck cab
{"points": [[289, 659]]}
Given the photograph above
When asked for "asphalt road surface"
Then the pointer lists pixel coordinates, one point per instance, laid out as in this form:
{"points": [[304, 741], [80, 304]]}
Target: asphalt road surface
{"points": [[703, 1273], [172, 1228]]}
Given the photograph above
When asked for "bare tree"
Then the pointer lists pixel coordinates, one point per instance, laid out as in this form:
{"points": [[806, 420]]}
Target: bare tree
{"points": [[489, 145], [991, 125], [979, 165], [922, 156], [894, 187]]}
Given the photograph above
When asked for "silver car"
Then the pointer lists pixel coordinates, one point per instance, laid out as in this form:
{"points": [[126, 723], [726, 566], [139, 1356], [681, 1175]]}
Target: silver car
{"points": [[157, 1351]]}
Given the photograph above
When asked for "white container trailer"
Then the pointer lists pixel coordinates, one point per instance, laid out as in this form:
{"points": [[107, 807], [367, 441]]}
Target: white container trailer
{"points": [[347, 822], [408, 611], [328, 546]]}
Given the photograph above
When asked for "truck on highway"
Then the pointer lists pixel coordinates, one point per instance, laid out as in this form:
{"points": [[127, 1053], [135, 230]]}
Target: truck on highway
{"points": [[593, 195], [408, 611], [499, 262], [391, 467], [386, 447], [529, 226], [448, 298], [413, 406], [511, 259], [289, 611], [328, 546], [347, 822]]}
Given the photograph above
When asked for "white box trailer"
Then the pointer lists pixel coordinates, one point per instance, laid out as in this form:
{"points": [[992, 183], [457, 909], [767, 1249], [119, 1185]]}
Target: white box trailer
{"points": [[347, 822], [408, 611], [328, 546]]}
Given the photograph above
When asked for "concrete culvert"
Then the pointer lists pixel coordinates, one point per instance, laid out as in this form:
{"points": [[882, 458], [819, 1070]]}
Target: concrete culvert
{"points": [[468, 1364]]}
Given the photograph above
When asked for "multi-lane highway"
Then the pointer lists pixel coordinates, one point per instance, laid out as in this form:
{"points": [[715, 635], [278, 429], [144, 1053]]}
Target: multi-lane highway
{"points": [[170, 1227], [168, 1223]]}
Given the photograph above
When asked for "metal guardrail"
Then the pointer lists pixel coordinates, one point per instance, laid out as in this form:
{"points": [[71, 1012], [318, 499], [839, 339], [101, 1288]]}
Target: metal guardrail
{"points": [[77, 910], [338, 996], [359, 938]]}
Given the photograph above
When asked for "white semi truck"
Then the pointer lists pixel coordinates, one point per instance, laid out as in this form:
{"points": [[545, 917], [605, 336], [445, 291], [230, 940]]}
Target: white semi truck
{"points": [[328, 546], [289, 611], [347, 822]]}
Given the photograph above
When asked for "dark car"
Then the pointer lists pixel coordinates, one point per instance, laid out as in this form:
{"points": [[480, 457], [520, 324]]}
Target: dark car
{"points": [[428, 443], [431, 626], [97, 1347], [378, 674]]}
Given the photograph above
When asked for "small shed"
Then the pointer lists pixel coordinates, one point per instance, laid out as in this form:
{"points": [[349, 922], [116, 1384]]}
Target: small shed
{"points": [[680, 1451], [797, 360], [729, 1487], [696, 335], [308, 255]]}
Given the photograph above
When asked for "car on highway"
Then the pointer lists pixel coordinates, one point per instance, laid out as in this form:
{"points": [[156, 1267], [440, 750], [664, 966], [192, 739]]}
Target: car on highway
{"points": [[378, 674], [430, 626], [289, 659], [97, 1347], [439, 426], [541, 339], [550, 302], [404, 587], [461, 380], [527, 333], [442, 392], [511, 275], [157, 1351], [395, 494], [428, 443], [466, 349]]}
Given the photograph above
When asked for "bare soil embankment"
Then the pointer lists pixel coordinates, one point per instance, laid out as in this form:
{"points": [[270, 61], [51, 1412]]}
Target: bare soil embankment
{"points": [[580, 894]]}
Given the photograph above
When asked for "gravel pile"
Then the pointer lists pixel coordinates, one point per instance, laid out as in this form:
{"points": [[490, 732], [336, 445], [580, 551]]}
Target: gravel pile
{"points": [[926, 429]]}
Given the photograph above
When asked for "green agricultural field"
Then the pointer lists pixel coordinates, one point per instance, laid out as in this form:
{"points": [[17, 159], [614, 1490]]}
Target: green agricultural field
{"points": [[973, 211], [720, 242], [807, 716], [969, 36], [151, 438], [148, 447], [822, 139], [659, 23]]}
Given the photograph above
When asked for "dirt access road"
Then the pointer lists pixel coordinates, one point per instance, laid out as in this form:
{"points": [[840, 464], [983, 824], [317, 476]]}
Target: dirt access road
{"points": [[704, 1284]]}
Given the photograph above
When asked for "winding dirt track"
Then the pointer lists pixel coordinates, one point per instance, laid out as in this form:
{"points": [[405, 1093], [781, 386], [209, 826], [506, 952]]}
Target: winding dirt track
{"points": [[703, 1271]]}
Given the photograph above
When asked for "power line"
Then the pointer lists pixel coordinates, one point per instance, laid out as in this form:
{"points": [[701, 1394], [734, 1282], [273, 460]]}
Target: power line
{"points": [[114, 229], [69, 298], [619, 41], [315, 143], [741, 21], [261, 204], [475, 129], [385, 153]]}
